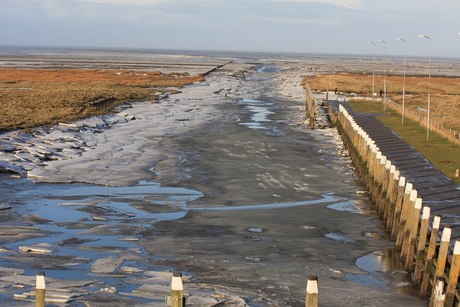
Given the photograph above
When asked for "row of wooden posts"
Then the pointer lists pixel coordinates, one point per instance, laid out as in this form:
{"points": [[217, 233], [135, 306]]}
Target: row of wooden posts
{"points": [[177, 298], [434, 270]]}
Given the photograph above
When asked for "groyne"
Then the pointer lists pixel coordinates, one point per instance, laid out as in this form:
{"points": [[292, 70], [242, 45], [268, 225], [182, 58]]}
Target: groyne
{"points": [[412, 197]]}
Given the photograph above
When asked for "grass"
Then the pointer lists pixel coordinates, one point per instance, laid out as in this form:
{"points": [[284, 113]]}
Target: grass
{"points": [[445, 92], [31, 98], [438, 150]]}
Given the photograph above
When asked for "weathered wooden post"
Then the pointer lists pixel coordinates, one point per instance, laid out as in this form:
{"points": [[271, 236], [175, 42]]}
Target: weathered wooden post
{"points": [[390, 197], [410, 195], [453, 275], [422, 245], [411, 240], [177, 294], [438, 297], [40, 290], [429, 256], [312, 299], [398, 207], [443, 251]]}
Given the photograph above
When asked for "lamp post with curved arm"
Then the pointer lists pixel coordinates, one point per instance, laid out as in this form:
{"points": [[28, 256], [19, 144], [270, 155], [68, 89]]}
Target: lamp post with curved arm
{"points": [[373, 70], [384, 78], [429, 88], [404, 80]]}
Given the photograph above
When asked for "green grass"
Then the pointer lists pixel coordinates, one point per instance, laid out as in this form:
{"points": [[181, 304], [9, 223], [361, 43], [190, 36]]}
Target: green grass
{"points": [[444, 154]]}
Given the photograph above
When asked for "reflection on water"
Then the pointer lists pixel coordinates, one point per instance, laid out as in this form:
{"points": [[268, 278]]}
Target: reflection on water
{"points": [[259, 111], [383, 271]]}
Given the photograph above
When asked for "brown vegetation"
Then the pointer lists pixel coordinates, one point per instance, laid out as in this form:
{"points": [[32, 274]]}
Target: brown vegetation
{"points": [[445, 92], [34, 97]]}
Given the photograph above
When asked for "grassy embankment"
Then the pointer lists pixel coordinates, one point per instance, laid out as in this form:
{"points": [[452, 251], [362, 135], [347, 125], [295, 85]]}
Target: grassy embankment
{"points": [[445, 110], [35, 97]]}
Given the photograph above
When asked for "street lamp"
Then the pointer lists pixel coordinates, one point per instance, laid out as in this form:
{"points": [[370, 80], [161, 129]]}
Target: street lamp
{"points": [[373, 70], [385, 78], [404, 79], [429, 89]]}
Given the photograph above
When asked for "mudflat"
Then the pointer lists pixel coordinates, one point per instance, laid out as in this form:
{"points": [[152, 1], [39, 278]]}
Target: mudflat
{"points": [[221, 181]]}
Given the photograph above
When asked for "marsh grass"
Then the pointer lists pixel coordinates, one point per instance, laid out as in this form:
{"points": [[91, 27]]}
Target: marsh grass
{"points": [[35, 97]]}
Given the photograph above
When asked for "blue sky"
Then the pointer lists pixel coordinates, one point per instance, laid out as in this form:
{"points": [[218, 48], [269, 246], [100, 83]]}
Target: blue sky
{"points": [[303, 26]]}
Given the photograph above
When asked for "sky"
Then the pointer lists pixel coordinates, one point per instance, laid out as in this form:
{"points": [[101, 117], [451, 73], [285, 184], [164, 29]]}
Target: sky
{"points": [[297, 26]]}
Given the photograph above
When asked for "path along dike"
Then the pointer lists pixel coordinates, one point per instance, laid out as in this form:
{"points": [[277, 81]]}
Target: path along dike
{"points": [[420, 206]]}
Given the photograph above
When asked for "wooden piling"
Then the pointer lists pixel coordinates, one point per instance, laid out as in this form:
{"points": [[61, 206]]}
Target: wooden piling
{"points": [[453, 275], [411, 240], [411, 211], [177, 295], [429, 257], [421, 245], [438, 296], [398, 206], [443, 251], [410, 195], [312, 297], [40, 290]]}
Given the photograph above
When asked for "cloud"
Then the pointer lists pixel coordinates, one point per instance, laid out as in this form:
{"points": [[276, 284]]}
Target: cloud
{"points": [[350, 4], [298, 22], [122, 2]]}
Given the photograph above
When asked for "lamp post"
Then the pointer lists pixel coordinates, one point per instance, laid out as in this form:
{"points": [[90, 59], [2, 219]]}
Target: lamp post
{"points": [[429, 89], [373, 70], [384, 78], [404, 79]]}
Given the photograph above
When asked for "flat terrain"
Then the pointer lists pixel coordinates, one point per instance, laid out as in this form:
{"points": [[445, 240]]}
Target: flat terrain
{"points": [[445, 92], [34, 97]]}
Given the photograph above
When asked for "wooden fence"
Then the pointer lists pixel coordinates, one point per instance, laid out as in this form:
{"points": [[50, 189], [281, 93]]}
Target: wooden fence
{"points": [[425, 251]]}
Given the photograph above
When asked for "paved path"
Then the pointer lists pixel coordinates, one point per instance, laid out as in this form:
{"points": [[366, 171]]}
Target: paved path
{"points": [[436, 189]]}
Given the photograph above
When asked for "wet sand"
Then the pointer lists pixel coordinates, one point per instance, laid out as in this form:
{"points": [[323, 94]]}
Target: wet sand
{"points": [[222, 182]]}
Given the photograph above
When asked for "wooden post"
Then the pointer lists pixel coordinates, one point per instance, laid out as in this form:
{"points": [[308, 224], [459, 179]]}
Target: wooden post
{"points": [[429, 256], [40, 289], [443, 251], [390, 192], [398, 206], [413, 234], [408, 225], [453, 275], [438, 297], [422, 245], [312, 299], [177, 295], [410, 195]]}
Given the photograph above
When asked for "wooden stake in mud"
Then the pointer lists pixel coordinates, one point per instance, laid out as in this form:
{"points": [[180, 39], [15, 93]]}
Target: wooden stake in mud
{"points": [[443, 251], [397, 214], [453, 275], [177, 294], [312, 299], [413, 234], [422, 245], [40, 289], [410, 195], [438, 297], [429, 256]]}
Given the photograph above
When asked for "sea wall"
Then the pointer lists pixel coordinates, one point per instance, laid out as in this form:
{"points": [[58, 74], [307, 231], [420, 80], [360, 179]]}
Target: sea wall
{"points": [[426, 250]]}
